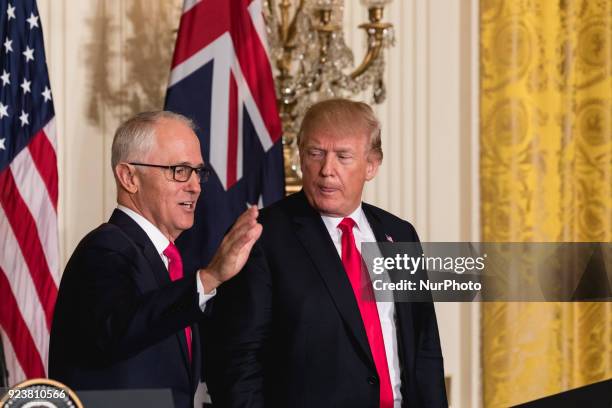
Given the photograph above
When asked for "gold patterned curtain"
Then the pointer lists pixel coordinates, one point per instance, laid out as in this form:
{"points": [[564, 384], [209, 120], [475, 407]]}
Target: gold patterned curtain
{"points": [[546, 176]]}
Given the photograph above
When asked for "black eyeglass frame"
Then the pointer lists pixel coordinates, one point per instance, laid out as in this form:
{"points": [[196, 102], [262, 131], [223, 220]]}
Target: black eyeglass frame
{"points": [[201, 172]]}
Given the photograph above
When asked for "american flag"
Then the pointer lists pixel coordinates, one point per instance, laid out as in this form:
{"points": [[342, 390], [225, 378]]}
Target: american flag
{"points": [[29, 251], [222, 79]]}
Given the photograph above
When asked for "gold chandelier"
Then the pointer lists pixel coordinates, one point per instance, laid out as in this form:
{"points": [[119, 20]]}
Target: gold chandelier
{"points": [[312, 60]]}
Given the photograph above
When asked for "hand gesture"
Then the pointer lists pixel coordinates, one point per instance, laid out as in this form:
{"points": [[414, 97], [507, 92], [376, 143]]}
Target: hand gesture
{"points": [[233, 251]]}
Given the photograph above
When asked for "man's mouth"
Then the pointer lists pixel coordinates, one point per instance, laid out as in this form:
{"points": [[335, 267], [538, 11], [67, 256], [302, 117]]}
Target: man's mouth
{"points": [[190, 205], [327, 190]]}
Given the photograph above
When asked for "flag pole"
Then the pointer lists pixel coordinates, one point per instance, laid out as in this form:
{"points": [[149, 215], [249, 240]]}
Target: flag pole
{"points": [[3, 370]]}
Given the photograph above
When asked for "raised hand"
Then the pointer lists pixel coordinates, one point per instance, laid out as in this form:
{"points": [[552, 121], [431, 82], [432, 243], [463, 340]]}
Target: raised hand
{"points": [[233, 251]]}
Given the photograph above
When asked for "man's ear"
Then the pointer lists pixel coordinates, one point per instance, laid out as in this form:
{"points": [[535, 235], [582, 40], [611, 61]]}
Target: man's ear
{"points": [[126, 175], [372, 166]]}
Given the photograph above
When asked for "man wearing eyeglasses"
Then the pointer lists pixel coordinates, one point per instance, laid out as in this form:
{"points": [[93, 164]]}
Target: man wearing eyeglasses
{"points": [[126, 313]]}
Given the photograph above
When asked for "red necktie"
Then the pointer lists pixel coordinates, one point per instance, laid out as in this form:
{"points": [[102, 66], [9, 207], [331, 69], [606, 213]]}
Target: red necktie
{"points": [[353, 264], [175, 268]]}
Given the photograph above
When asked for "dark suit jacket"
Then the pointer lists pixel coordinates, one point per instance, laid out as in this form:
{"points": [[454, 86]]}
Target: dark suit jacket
{"points": [[288, 332], [119, 321]]}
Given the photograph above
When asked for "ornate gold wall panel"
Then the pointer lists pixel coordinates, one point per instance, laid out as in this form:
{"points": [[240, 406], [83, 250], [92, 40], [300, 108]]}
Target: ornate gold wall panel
{"points": [[546, 175]]}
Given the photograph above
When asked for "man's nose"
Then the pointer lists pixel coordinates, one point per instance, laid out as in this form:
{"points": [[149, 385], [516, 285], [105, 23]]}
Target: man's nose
{"points": [[327, 169], [193, 184]]}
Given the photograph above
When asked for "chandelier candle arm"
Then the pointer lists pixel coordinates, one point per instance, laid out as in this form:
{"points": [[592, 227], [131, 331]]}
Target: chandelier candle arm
{"points": [[313, 62], [375, 30]]}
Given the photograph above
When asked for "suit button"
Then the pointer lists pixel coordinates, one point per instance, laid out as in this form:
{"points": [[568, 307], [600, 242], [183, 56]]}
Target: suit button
{"points": [[372, 380]]}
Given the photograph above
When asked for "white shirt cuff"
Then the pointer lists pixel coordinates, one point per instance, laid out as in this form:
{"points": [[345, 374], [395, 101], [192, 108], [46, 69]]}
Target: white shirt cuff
{"points": [[203, 297]]}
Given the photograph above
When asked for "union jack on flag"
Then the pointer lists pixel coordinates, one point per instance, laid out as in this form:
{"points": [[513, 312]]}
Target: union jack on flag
{"points": [[222, 79], [29, 250]]}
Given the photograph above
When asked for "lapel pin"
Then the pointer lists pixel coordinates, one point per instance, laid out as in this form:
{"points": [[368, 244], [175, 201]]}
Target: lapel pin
{"points": [[389, 238]]}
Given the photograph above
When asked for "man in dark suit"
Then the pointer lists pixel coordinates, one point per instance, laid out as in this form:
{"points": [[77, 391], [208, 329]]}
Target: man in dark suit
{"points": [[293, 329], [126, 317]]}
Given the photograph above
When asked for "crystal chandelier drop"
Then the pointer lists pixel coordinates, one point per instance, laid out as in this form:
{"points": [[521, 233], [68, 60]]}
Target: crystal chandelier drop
{"points": [[314, 63]]}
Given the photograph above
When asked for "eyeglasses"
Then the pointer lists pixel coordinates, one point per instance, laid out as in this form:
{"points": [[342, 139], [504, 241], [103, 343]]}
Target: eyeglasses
{"points": [[181, 172]]}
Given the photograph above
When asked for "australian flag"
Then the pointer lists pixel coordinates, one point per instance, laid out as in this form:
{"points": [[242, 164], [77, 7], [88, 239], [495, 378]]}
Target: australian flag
{"points": [[222, 79]]}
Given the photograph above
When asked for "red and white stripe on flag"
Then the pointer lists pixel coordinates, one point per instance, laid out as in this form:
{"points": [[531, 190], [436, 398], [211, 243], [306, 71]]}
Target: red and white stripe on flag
{"points": [[29, 248], [29, 258]]}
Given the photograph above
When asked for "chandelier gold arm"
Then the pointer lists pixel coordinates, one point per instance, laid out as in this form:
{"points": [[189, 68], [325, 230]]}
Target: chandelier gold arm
{"points": [[375, 30], [311, 59]]}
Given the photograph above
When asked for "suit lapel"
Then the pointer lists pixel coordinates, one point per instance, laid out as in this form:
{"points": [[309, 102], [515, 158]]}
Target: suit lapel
{"points": [[375, 223], [404, 325], [318, 244], [133, 230]]}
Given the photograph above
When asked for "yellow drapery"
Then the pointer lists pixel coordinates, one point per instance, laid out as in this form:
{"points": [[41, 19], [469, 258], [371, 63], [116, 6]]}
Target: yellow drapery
{"points": [[546, 176]]}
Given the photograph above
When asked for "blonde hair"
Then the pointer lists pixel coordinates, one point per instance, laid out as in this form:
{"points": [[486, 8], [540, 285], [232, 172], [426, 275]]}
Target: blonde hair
{"points": [[346, 116]]}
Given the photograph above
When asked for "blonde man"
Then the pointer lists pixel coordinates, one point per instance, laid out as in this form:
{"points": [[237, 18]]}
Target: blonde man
{"points": [[293, 330]]}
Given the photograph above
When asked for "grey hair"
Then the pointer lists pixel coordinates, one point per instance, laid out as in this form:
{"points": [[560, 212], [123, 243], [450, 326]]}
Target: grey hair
{"points": [[343, 115], [134, 137]]}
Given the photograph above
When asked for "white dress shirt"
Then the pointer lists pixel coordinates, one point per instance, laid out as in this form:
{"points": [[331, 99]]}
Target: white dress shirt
{"points": [[160, 242], [386, 310]]}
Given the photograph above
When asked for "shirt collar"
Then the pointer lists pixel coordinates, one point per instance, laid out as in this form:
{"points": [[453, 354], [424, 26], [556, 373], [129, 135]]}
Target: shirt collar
{"points": [[332, 222], [159, 240]]}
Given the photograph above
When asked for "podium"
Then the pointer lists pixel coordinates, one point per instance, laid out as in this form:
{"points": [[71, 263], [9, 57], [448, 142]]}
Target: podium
{"points": [[597, 395], [150, 398]]}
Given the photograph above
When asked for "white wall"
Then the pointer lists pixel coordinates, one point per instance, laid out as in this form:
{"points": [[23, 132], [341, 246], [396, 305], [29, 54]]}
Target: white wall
{"points": [[430, 124]]}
